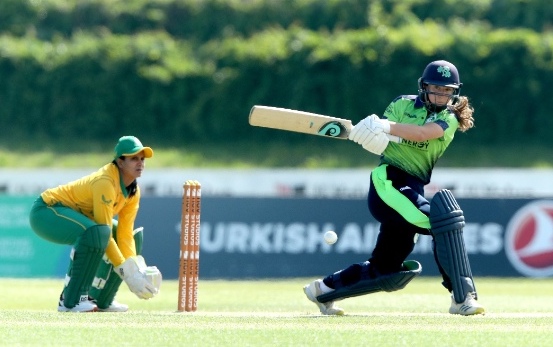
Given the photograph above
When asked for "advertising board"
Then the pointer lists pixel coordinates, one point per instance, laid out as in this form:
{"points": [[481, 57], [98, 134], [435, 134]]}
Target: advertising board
{"points": [[283, 237]]}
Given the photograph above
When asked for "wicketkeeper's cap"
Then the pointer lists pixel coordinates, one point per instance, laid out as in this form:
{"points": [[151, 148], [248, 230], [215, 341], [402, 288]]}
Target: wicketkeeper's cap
{"points": [[130, 145]]}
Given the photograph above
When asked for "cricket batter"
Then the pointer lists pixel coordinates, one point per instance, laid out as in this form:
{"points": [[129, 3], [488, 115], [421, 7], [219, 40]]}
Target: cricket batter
{"points": [[427, 122], [105, 251]]}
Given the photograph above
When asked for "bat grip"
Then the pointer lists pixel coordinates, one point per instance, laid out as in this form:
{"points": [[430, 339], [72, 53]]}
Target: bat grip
{"points": [[394, 138]]}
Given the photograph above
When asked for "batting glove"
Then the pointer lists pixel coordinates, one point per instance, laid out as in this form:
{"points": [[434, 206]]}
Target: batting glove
{"points": [[363, 131], [382, 124], [377, 144]]}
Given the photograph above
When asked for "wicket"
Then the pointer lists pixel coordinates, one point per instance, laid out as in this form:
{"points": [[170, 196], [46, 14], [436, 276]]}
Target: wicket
{"points": [[189, 247]]}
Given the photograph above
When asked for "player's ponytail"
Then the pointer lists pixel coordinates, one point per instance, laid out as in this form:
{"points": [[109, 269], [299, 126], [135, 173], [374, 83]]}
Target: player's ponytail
{"points": [[463, 111]]}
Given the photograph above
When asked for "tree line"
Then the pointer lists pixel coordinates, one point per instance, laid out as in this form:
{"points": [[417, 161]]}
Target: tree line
{"points": [[183, 71]]}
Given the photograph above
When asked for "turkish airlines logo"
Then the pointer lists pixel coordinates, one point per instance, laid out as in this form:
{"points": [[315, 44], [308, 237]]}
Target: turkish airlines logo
{"points": [[529, 239]]}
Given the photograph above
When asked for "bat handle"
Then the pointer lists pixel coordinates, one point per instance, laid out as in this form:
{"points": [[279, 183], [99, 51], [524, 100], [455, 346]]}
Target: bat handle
{"points": [[394, 138]]}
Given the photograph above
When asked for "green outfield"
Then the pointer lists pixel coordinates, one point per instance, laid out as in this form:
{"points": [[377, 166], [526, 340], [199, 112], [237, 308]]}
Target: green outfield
{"points": [[276, 313]]}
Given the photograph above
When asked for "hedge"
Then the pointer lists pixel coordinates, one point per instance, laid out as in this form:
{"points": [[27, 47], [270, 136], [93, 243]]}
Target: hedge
{"points": [[186, 71]]}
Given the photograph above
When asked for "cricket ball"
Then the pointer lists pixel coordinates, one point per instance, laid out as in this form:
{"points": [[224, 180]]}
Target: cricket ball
{"points": [[330, 237]]}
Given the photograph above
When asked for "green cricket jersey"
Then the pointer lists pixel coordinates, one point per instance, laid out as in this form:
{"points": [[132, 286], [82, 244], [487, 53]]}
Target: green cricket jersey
{"points": [[418, 158]]}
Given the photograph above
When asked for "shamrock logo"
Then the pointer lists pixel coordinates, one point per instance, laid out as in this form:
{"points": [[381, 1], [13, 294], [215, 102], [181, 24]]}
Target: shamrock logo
{"points": [[444, 70]]}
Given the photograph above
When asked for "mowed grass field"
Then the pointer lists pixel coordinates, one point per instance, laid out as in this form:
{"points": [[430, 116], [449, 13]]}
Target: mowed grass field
{"points": [[276, 313]]}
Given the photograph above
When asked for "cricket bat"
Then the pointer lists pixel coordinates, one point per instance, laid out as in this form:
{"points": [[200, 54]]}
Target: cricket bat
{"points": [[303, 122]]}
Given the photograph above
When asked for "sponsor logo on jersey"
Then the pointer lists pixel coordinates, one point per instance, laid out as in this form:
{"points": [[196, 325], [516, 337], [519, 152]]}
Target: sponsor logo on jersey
{"points": [[106, 201]]}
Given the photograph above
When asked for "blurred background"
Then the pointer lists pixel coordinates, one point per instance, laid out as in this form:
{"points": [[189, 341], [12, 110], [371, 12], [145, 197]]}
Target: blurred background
{"points": [[182, 76]]}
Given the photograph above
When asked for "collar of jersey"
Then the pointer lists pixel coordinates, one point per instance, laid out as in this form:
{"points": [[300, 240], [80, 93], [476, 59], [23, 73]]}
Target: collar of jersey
{"points": [[123, 188], [418, 103]]}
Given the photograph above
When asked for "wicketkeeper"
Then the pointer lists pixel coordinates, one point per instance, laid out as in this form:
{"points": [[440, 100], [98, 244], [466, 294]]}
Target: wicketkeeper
{"points": [[106, 251], [427, 123]]}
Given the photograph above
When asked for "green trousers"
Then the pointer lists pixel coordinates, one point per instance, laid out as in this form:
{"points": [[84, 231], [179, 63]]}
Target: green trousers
{"points": [[63, 225]]}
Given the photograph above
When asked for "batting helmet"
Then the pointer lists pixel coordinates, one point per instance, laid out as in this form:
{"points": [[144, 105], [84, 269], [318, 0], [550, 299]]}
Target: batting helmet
{"points": [[440, 73]]}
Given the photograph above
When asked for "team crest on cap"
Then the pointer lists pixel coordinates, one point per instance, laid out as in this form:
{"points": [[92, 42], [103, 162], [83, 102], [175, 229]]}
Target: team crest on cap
{"points": [[529, 239], [445, 71]]}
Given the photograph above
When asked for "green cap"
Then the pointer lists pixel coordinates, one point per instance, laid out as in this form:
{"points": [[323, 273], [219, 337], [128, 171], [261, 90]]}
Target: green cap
{"points": [[130, 145]]}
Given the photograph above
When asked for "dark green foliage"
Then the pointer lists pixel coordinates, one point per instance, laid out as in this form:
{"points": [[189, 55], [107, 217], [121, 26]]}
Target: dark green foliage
{"points": [[183, 71]]}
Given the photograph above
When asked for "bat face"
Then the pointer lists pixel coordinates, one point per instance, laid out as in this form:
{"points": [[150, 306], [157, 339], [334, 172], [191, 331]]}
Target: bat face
{"points": [[299, 121]]}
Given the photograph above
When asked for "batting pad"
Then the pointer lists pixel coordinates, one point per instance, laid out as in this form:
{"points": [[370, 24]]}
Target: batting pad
{"points": [[447, 223], [105, 296], [106, 283], [88, 254], [388, 283]]}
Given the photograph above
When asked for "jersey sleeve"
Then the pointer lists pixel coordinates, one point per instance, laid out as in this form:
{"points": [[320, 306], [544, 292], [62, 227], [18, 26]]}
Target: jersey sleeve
{"points": [[125, 246], [103, 197], [448, 121], [127, 216]]}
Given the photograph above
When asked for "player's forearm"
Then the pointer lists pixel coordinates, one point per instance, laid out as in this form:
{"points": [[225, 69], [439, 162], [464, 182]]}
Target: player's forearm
{"points": [[416, 133]]}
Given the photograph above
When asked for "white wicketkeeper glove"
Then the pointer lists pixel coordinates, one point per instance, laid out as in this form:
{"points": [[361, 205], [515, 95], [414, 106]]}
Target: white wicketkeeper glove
{"points": [[376, 144], [153, 275], [133, 272]]}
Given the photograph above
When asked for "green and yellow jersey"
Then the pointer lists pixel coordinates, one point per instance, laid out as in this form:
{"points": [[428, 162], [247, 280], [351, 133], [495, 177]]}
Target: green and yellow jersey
{"points": [[101, 196], [418, 158]]}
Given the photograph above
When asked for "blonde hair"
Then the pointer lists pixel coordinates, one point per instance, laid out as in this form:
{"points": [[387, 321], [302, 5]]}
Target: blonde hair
{"points": [[463, 110]]}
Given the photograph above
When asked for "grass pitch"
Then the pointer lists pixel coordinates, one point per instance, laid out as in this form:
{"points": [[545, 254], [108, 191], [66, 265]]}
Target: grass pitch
{"points": [[276, 313]]}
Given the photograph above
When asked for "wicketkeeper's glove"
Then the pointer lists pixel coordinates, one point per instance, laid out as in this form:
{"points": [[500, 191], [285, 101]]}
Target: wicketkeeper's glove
{"points": [[138, 278]]}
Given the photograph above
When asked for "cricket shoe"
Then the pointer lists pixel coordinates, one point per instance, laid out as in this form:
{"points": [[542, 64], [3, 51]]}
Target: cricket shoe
{"points": [[84, 305], [468, 307], [312, 291], [114, 307]]}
